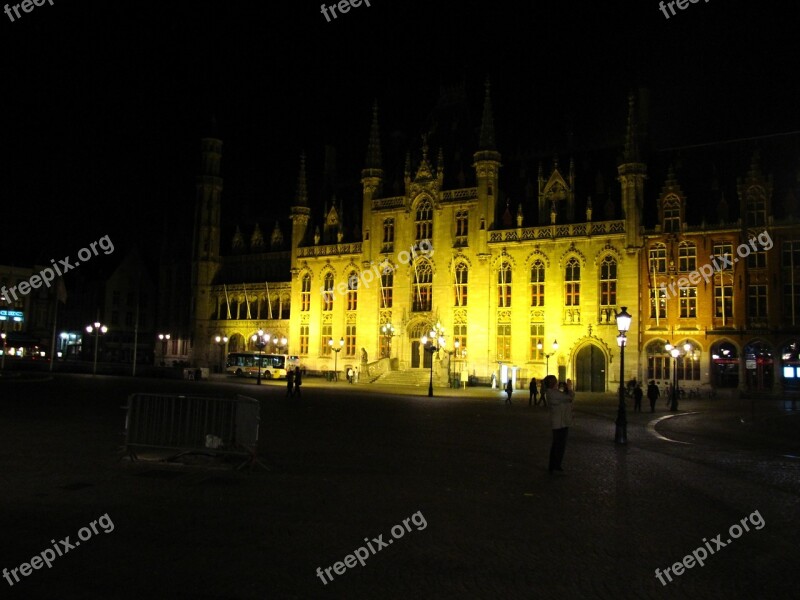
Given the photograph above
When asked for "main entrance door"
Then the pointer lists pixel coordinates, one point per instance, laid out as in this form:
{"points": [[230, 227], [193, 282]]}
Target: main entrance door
{"points": [[415, 354], [590, 370]]}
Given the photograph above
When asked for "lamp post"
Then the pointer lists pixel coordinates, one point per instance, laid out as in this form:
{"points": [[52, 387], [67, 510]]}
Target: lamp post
{"points": [[336, 356], [675, 353], [456, 346], [3, 365], [436, 334], [221, 340], [260, 340], [623, 324], [547, 356], [97, 328], [387, 331], [164, 337]]}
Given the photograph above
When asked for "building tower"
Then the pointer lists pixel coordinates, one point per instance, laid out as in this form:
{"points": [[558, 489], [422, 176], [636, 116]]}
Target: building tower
{"points": [[371, 177], [299, 213], [632, 173], [487, 166], [205, 259]]}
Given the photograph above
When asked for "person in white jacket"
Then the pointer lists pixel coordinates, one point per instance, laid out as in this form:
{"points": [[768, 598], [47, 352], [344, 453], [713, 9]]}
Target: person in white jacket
{"points": [[560, 418]]}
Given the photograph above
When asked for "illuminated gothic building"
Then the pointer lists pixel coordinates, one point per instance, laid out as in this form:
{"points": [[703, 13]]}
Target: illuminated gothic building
{"points": [[513, 288]]}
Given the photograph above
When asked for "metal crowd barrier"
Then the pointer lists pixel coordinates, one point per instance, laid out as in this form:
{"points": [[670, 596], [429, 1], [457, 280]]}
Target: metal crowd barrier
{"points": [[193, 425]]}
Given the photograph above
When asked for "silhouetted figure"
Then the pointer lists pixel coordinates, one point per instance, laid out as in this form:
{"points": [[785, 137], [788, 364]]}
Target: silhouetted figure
{"points": [[534, 393], [637, 398], [298, 381], [560, 418], [509, 391], [290, 383], [652, 394]]}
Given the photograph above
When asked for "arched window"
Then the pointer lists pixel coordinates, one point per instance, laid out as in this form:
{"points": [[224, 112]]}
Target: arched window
{"points": [[461, 280], [422, 288], [387, 287], [388, 235], [424, 220], [462, 227], [305, 293], [572, 283], [327, 292], [608, 282], [672, 215], [537, 283], [504, 285], [352, 291]]}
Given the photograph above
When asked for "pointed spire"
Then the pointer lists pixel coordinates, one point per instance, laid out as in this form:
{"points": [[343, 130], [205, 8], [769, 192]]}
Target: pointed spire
{"points": [[237, 244], [631, 144], [257, 240], [276, 241], [374, 160], [487, 121], [301, 197]]}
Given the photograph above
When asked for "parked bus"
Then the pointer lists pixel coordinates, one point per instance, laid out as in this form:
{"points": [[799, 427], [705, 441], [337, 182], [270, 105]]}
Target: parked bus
{"points": [[273, 366]]}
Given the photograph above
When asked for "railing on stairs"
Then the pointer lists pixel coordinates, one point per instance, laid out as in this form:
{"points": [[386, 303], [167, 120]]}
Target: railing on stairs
{"points": [[377, 368]]}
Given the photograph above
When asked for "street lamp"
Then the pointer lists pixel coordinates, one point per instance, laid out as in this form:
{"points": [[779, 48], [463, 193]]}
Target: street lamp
{"points": [[97, 328], [675, 353], [436, 334], [547, 356], [3, 365], [623, 324], [260, 340], [387, 331], [336, 357], [221, 340], [456, 346], [164, 337]]}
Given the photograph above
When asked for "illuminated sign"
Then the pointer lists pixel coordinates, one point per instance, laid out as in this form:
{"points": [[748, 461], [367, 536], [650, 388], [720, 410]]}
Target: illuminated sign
{"points": [[14, 315]]}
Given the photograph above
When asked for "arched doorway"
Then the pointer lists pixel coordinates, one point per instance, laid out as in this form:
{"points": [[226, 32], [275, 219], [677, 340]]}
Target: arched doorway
{"points": [[759, 366], [236, 343], [590, 369], [724, 365], [419, 358]]}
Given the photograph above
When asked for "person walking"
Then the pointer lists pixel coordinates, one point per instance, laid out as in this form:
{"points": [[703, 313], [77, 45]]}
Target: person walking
{"points": [[349, 375], [652, 394], [560, 418], [298, 381], [637, 398], [290, 383], [534, 393], [509, 391]]}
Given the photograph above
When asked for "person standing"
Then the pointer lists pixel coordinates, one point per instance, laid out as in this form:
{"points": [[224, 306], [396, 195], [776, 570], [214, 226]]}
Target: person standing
{"points": [[534, 393], [560, 418], [290, 383], [349, 375], [298, 381], [652, 394], [509, 391], [637, 398]]}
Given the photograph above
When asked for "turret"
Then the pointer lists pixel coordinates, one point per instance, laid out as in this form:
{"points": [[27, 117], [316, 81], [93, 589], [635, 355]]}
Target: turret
{"points": [[299, 213], [632, 174], [487, 166]]}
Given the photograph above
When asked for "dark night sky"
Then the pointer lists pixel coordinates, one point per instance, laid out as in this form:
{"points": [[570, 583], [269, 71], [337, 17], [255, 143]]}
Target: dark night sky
{"points": [[104, 102]]}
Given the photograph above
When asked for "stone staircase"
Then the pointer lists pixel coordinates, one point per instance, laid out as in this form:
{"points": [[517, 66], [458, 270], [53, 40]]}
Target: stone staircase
{"points": [[415, 377]]}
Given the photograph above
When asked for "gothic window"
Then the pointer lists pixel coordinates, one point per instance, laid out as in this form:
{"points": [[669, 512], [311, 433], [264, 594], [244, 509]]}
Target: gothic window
{"points": [[352, 291], [422, 288], [327, 292], [305, 293], [462, 227], [424, 220], [504, 285], [461, 280], [537, 283], [572, 283], [388, 235], [608, 282], [387, 285], [672, 215], [658, 258]]}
